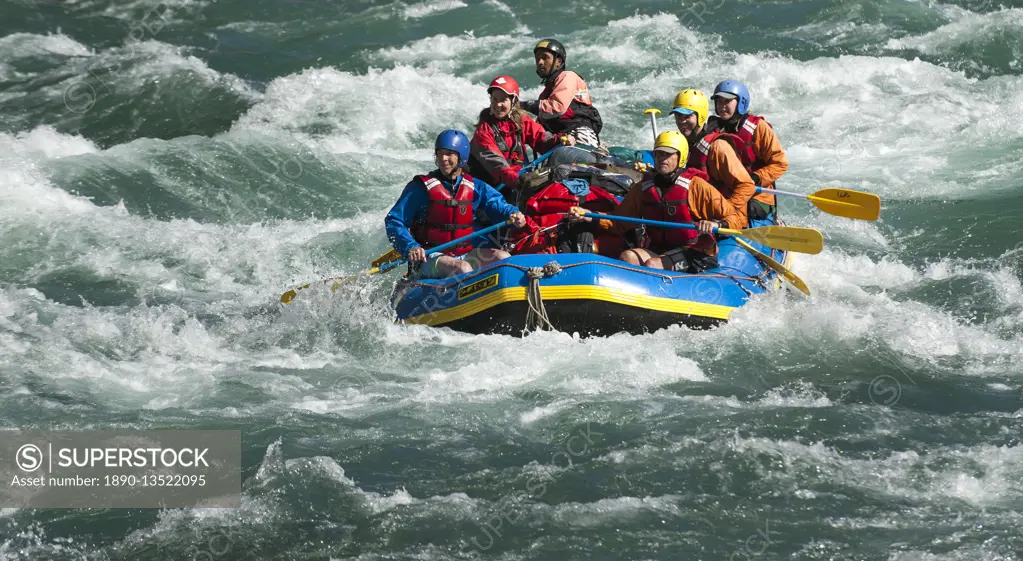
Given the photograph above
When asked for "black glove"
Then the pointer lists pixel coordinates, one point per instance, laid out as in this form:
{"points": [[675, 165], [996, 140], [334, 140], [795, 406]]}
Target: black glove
{"points": [[756, 179]]}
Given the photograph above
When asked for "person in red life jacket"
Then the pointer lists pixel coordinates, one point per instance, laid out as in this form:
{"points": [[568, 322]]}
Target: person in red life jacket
{"points": [[760, 153], [671, 193], [440, 207], [503, 132], [713, 153], [564, 105]]}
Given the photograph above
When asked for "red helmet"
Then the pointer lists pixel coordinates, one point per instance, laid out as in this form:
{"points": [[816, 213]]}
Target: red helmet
{"points": [[507, 84]]}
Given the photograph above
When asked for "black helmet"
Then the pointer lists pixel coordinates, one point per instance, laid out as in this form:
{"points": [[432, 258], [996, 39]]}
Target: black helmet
{"points": [[554, 47]]}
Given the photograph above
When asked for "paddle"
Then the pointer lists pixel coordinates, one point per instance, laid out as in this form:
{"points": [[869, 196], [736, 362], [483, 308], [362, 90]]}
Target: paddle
{"points": [[786, 238], [653, 120], [776, 266], [288, 296], [840, 202]]}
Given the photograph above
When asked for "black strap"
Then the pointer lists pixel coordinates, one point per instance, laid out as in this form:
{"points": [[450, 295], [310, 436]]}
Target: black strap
{"points": [[503, 146]]}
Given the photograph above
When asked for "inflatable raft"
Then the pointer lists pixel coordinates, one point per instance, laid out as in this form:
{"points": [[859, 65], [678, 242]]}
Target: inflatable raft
{"points": [[587, 293]]}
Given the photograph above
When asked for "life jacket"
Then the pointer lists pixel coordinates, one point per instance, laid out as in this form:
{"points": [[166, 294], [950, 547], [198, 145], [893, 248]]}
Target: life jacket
{"points": [[516, 153], [744, 147], [544, 211], [699, 154], [556, 198], [577, 115], [670, 205], [447, 217]]}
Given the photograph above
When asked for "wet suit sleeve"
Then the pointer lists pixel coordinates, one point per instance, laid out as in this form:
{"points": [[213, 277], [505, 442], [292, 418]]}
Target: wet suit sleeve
{"points": [[706, 203], [724, 166], [408, 209], [484, 148], [768, 149]]}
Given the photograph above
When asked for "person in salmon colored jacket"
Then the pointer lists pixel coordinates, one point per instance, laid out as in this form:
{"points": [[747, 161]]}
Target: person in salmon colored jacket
{"points": [[564, 105]]}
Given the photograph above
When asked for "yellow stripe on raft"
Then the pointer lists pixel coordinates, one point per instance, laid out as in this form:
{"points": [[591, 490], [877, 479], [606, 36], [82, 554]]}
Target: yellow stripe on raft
{"points": [[574, 292]]}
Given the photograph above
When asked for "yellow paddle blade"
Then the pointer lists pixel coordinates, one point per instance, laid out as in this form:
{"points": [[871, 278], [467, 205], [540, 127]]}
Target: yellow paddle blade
{"points": [[850, 204], [776, 266], [288, 296], [386, 258], [786, 238]]}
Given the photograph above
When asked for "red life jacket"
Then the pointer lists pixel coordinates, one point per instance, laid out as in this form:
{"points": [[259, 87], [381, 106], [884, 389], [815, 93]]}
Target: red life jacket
{"points": [[672, 205], [744, 146], [544, 211], [516, 153], [447, 217], [556, 198], [698, 155]]}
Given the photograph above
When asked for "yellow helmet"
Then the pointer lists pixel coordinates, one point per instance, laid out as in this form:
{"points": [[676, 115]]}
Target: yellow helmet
{"points": [[676, 141], [688, 102]]}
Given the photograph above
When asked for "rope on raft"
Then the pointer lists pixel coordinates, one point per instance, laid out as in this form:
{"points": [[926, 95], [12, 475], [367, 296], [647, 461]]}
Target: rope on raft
{"points": [[536, 316]]}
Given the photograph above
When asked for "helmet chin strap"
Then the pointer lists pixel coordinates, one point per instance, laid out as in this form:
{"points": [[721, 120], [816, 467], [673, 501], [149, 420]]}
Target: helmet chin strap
{"points": [[553, 69]]}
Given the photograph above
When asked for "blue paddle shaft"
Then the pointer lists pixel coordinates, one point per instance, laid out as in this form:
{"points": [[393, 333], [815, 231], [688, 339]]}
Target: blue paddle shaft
{"points": [[645, 221], [448, 245]]}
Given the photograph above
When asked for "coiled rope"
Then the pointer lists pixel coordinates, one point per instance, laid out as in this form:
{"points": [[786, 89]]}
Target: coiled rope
{"points": [[536, 316]]}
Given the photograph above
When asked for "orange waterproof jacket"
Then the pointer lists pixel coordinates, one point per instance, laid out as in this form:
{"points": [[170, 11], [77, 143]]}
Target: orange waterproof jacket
{"points": [[728, 174], [705, 203], [763, 155]]}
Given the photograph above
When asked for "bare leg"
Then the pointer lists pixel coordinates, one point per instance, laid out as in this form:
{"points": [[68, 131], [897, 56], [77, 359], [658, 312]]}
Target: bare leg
{"points": [[635, 256], [488, 255], [658, 262], [449, 266]]}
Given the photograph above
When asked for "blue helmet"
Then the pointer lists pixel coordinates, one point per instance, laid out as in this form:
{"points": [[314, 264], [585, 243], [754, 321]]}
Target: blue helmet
{"points": [[733, 89], [455, 141]]}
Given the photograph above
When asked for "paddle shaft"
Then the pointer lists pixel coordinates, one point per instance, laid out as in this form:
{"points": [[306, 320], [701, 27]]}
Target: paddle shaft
{"points": [[777, 192], [659, 223], [653, 122]]}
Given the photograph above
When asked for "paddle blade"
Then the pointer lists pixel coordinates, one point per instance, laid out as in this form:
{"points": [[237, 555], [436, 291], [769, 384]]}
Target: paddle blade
{"points": [[786, 238], [776, 267], [850, 204], [290, 295], [386, 258]]}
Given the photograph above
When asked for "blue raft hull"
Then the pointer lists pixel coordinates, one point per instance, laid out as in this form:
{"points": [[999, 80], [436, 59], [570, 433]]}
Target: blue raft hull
{"points": [[589, 294]]}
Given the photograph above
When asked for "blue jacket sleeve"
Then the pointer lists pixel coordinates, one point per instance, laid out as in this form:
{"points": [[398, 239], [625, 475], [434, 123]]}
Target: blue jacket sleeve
{"points": [[408, 209], [490, 201]]}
